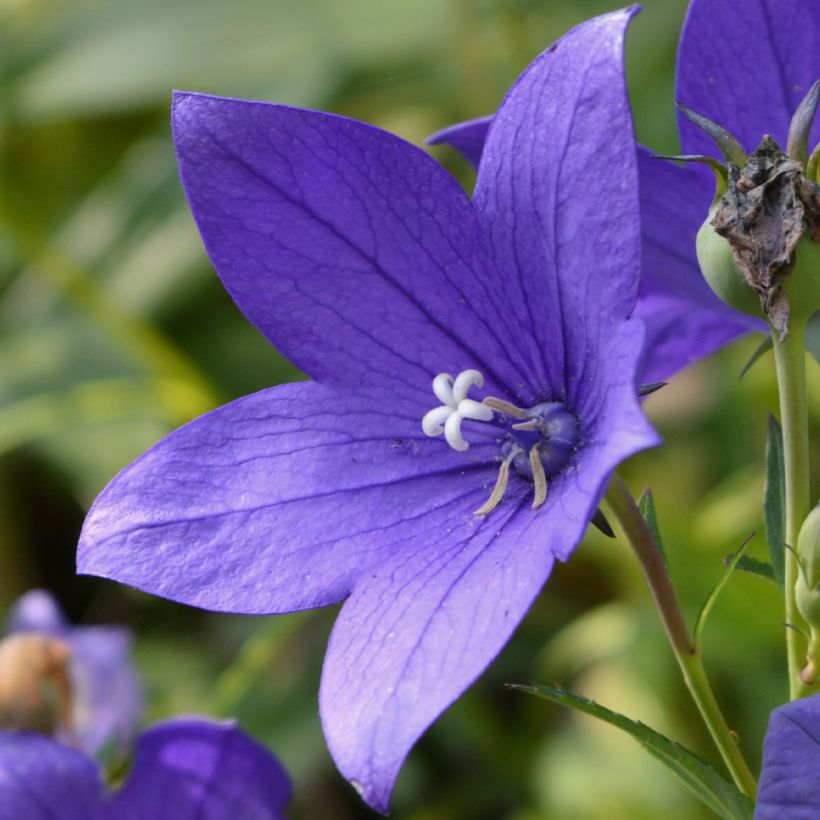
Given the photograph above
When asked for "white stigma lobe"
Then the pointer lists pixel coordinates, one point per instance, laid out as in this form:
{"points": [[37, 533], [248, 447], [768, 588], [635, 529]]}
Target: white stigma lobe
{"points": [[455, 407]]}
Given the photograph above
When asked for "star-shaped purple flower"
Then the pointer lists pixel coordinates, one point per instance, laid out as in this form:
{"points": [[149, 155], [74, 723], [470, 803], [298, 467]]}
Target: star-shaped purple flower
{"points": [[188, 767], [106, 696], [747, 66], [436, 515]]}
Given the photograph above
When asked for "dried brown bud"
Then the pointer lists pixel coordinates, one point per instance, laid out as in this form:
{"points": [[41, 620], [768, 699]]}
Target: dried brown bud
{"points": [[768, 207], [35, 687]]}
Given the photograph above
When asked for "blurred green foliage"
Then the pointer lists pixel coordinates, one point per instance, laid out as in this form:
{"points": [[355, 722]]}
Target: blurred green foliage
{"points": [[114, 330]]}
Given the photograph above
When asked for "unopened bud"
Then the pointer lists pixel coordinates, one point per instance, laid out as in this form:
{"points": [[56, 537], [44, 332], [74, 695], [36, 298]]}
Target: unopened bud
{"points": [[723, 276], [35, 688], [807, 590]]}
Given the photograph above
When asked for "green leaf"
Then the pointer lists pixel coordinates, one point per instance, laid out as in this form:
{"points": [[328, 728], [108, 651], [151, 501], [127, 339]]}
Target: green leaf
{"points": [[752, 566], [646, 504], [721, 796], [762, 348], [731, 563], [774, 500], [813, 336]]}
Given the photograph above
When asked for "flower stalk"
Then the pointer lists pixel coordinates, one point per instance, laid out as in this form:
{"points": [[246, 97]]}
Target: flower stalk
{"points": [[790, 364], [688, 654]]}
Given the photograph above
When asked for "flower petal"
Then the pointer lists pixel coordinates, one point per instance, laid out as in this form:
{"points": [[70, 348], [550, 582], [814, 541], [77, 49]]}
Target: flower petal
{"points": [[199, 768], [747, 64], [41, 779], [685, 320], [419, 628], [354, 252], [108, 696], [278, 501], [557, 195], [467, 138], [36, 611], [790, 778]]}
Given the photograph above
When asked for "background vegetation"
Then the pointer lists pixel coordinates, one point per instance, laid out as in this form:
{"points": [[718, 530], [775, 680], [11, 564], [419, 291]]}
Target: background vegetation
{"points": [[114, 330]]}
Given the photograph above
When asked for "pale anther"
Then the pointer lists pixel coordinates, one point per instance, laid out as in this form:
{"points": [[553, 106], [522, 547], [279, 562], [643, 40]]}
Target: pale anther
{"points": [[539, 478], [500, 486], [505, 407], [529, 426]]}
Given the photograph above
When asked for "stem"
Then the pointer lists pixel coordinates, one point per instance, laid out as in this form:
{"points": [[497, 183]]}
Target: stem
{"points": [[688, 655], [790, 362]]}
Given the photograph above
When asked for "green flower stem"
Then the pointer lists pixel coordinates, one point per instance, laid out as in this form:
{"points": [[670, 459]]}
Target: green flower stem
{"points": [[689, 656], [790, 361]]}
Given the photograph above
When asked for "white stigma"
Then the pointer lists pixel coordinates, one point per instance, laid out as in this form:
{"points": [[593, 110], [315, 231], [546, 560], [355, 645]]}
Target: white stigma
{"points": [[455, 407]]}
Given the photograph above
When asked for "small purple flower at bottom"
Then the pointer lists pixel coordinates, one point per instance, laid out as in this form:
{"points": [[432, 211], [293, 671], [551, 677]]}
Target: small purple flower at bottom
{"points": [[106, 696], [435, 515], [187, 767], [790, 778]]}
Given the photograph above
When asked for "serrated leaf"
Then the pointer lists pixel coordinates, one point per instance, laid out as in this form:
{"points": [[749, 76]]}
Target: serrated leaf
{"points": [[718, 588], [753, 567], [646, 504], [774, 500], [721, 796]]}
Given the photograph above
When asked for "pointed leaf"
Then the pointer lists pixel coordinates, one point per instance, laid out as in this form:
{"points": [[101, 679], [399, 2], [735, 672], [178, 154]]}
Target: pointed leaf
{"points": [[751, 565], [646, 504], [762, 348], [721, 796], [813, 327], [718, 588], [774, 499]]}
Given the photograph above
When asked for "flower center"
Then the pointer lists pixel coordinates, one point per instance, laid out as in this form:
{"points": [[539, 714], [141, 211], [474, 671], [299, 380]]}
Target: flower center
{"points": [[538, 442]]}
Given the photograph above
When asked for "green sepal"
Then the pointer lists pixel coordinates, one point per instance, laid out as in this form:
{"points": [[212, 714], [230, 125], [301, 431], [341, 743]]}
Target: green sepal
{"points": [[697, 633], [646, 504], [764, 347], [798, 141], [721, 796], [813, 165], [813, 335], [728, 145], [774, 500]]}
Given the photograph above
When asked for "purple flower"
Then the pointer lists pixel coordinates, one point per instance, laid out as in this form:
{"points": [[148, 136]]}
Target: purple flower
{"points": [[188, 767], [790, 779], [363, 261], [746, 66], [106, 698]]}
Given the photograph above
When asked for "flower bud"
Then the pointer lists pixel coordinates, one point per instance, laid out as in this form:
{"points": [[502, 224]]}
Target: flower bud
{"points": [[807, 589], [720, 271], [802, 286], [35, 688]]}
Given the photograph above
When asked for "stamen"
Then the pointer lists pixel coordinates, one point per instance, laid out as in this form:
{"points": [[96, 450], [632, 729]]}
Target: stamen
{"points": [[539, 479], [500, 486], [505, 407], [529, 426], [464, 381]]}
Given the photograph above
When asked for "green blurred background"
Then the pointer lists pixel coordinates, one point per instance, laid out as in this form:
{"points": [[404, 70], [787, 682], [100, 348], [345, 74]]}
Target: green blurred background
{"points": [[114, 330]]}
